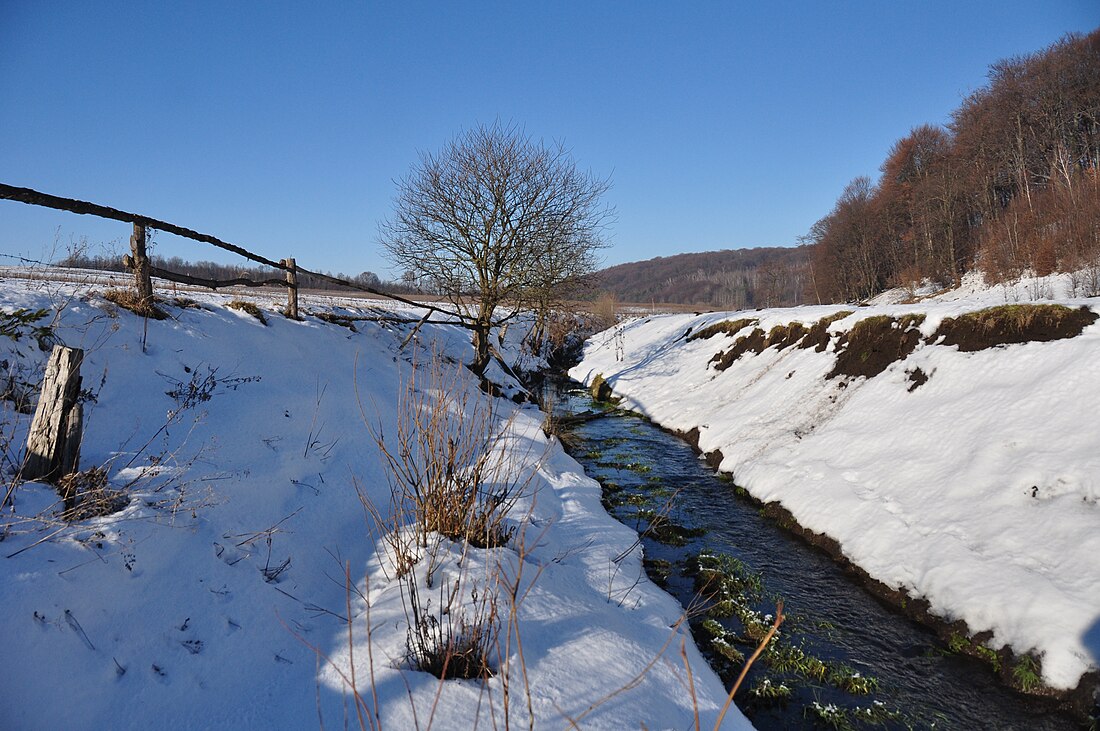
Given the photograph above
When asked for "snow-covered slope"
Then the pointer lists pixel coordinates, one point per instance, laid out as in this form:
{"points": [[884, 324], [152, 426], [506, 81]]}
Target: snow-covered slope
{"points": [[217, 598], [976, 489]]}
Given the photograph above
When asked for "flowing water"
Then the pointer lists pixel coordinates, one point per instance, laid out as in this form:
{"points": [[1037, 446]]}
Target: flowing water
{"points": [[917, 681]]}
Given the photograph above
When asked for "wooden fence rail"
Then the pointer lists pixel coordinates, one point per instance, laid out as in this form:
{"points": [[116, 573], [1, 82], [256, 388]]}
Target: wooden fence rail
{"points": [[139, 262]]}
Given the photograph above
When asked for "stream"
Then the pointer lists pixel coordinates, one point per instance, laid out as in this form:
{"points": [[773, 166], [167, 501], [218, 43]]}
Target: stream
{"points": [[843, 659]]}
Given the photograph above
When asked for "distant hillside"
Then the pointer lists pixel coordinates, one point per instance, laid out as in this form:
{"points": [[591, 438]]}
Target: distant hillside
{"points": [[728, 279]]}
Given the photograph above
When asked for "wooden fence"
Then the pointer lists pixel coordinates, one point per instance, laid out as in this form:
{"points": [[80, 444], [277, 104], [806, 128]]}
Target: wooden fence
{"points": [[138, 260]]}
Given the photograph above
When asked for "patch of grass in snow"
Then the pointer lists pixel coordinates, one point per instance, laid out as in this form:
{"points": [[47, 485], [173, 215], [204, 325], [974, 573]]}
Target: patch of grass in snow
{"points": [[128, 300], [249, 308], [1008, 324], [724, 327]]}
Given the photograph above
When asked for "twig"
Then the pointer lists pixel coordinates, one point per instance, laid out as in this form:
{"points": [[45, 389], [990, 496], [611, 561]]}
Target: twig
{"points": [[748, 664]]}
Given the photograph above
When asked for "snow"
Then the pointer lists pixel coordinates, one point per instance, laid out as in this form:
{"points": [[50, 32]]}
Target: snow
{"points": [[977, 490], [182, 611]]}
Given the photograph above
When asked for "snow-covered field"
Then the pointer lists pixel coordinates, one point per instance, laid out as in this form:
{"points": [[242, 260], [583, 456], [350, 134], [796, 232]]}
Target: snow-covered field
{"points": [[217, 598], [976, 490]]}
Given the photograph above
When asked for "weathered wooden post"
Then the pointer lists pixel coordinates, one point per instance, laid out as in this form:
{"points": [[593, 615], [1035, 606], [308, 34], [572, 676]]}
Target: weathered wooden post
{"points": [[140, 264], [291, 288], [53, 445]]}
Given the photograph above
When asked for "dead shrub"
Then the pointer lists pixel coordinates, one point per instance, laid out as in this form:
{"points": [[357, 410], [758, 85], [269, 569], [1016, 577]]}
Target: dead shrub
{"points": [[874, 343], [129, 300], [444, 466], [87, 495], [1008, 324], [248, 307], [452, 641]]}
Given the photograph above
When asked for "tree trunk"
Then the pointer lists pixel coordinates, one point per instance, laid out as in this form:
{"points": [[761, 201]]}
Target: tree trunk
{"points": [[53, 446], [481, 348]]}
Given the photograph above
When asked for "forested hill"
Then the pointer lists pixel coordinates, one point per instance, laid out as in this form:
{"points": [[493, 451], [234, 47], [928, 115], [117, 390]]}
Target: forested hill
{"points": [[728, 279]]}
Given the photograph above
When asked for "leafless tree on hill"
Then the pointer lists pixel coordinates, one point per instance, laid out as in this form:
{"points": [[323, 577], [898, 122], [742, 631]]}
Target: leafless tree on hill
{"points": [[496, 223]]}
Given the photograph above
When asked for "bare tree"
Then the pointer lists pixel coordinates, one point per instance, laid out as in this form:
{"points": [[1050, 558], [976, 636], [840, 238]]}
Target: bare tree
{"points": [[494, 221]]}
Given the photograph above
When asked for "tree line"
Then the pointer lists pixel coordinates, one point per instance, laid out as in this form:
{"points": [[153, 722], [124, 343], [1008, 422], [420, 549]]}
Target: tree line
{"points": [[735, 279], [112, 262], [1011, 184]]}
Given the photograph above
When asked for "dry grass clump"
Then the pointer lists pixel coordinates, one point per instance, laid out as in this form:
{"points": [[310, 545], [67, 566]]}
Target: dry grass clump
{"points": [[129, 300], [86, 495], [445, 469], [874, 343], [250, 308], [186, 303], [1009, 324], [332, 318], [727, 327]]}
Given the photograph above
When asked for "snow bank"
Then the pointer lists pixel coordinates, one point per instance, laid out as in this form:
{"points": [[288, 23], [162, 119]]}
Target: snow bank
{"points": [[976, 490], [217, 598]]}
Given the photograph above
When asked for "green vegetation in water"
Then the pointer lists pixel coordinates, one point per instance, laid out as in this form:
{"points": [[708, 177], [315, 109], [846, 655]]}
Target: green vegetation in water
{"points": [[767, 692], [635, 467], [619, 500], [851, 681], [785, 658], [719, 643], [723, 577], [658, 569], [663, 530], [828, 715], [593, 454], [877, 714]]}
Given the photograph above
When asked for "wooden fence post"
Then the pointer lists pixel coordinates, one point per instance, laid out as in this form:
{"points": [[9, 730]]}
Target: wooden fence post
{"points": [[53, 445], [142, 280], [291, 288]]}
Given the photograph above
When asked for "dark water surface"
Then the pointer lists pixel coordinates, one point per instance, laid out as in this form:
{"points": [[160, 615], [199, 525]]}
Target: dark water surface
{"points": [[832, 617]]}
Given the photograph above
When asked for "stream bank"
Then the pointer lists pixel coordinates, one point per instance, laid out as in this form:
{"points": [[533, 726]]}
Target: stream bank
{"points": [[903, 675]]}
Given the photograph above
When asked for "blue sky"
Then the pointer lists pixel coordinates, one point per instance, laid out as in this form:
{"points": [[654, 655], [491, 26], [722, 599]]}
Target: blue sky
{"points": [[281, 126]]}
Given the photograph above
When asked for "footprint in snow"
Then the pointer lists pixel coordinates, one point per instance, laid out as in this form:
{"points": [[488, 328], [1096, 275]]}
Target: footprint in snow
{"points": [[192, 646]]}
